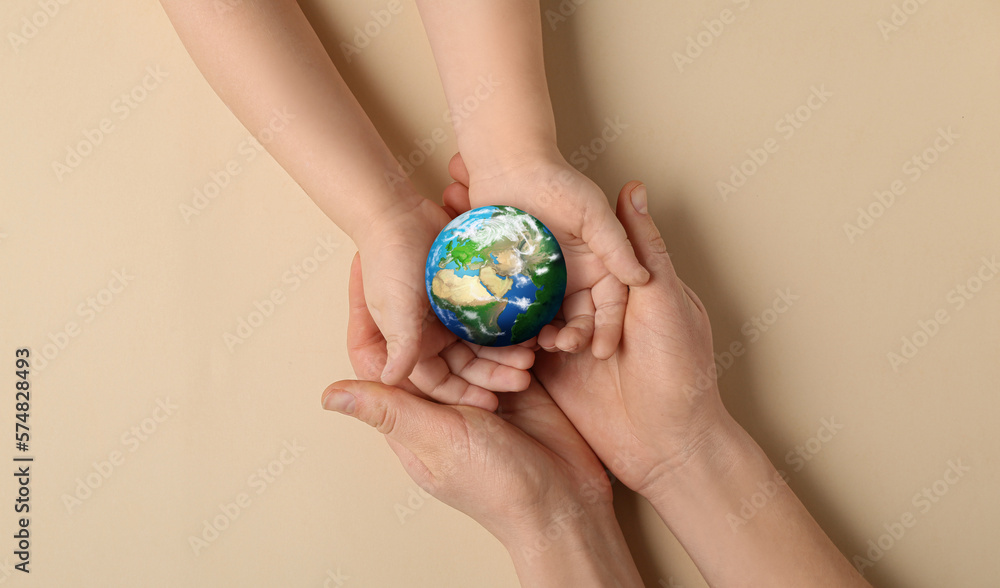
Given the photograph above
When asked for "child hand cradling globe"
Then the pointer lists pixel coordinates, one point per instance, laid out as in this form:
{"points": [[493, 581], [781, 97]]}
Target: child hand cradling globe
{"points": [[600, 261]]}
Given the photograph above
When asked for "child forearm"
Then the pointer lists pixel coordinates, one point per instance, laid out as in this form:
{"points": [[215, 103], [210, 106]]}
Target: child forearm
{"points": [[266, 63], [489, 55]]}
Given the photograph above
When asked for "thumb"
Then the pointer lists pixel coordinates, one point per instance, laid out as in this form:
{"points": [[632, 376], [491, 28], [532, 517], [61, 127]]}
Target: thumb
{"points": [[401, 325], [397, 414], [650, 249], [609, 241]]}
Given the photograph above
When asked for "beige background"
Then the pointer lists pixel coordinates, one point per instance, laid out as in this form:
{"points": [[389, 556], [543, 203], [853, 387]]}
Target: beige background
{"points": [[342, 507]]}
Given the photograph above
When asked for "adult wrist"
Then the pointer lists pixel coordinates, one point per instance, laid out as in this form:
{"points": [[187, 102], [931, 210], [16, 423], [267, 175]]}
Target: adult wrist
{"points": [[721, 451], [579, 545]]}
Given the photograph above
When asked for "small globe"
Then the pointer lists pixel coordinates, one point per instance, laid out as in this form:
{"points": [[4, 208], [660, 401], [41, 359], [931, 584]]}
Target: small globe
{"points": [[495, 276]]}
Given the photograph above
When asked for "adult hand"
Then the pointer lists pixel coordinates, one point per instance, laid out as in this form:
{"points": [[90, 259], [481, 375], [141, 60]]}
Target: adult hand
{"points": [[655, 401], [653, 414], [522, 474]]}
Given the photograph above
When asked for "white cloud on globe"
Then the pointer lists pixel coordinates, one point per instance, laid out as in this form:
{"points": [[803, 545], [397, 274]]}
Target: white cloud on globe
{"points": [[522, 303]]}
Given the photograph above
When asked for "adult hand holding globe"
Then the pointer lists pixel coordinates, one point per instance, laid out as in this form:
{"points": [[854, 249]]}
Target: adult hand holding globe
{"points": [[495, 276]]}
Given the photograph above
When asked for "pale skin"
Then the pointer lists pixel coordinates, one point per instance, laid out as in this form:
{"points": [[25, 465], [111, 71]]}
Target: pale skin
{"points": [[263, 57], [645, 413], [521, 475], [681, 451], [508, 142]]}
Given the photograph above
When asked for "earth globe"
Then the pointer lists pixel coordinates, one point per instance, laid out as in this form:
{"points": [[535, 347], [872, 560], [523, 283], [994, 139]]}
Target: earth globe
{"points": [[495, 276]]}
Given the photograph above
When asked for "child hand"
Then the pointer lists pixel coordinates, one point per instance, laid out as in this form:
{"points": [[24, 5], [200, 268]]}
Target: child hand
{"points": [[390, 269], [599, 258]]}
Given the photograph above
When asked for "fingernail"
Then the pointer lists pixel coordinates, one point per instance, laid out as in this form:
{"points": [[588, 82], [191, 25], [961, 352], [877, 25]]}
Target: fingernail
{"points": [[341, 401], [639, 202], [387, 370], [392, 350]]}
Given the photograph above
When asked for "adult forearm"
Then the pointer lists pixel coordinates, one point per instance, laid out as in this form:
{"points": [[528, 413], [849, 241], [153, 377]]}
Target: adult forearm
{"points": [[489, 55], [264, 60], [578, 546], [772, 542]]}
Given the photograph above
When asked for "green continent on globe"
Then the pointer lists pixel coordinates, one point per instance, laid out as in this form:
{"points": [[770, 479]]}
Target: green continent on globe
{"points": [[548, 287], [476, 277]]}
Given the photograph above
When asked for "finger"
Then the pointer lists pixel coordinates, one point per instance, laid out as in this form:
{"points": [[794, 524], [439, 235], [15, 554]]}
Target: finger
{"points": [[415, 424], [547, 337], [365, 345], [693, 297], [361, 328], [642, 232], [433, 377], [464, 363], [610, 297], [517, 356], [456, 197], [401, 325], [578, 311], [434, 337], [608, 240], [457, 169]]}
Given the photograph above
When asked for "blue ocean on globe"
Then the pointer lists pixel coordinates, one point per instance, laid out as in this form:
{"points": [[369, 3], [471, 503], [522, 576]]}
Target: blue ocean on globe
{"points": [[495, 276]]}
